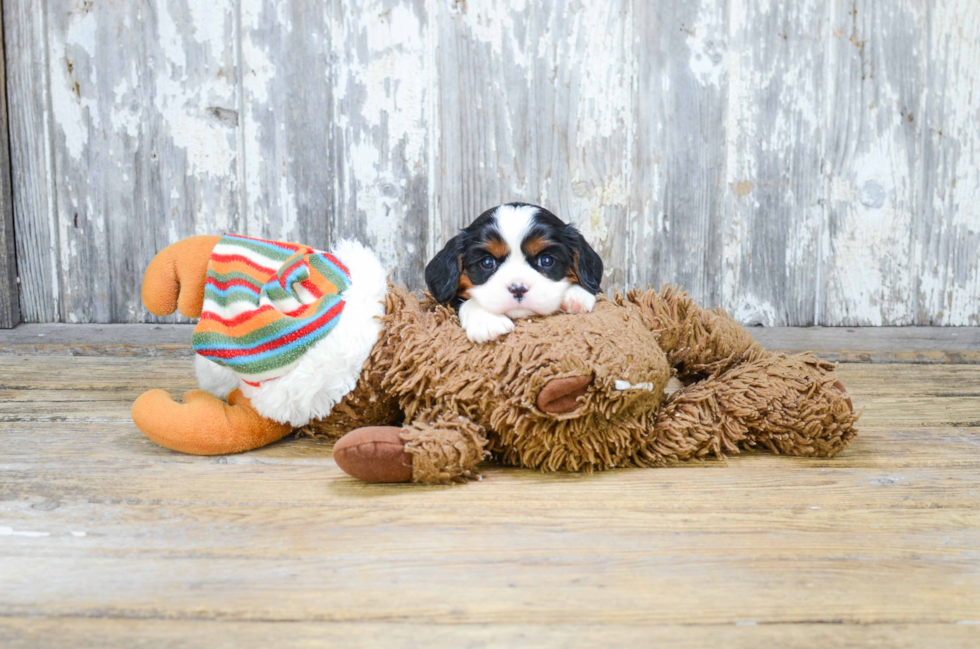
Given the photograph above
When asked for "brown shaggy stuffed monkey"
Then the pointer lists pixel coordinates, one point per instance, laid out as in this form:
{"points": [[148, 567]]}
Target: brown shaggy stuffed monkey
{"points": [[567, 392]]}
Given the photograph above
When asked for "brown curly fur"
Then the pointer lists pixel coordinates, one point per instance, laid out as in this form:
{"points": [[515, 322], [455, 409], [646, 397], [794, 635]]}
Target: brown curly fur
{"points": [[461, 402]]}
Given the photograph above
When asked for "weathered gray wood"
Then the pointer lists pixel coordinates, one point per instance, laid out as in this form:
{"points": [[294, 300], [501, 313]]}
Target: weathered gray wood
{"points": [[382, 73], [181, 101], [93, 166], [286, 121], [953, 345], [116, 150], [535, 106], [877, 61], [795, 163], [946, 225], [903, 224], [56, 339], [9, 295], [38, 255], [773, 186], [679, 153]]}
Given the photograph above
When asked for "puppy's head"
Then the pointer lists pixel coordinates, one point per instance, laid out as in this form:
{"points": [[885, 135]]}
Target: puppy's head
{"points": [[516, 260]]}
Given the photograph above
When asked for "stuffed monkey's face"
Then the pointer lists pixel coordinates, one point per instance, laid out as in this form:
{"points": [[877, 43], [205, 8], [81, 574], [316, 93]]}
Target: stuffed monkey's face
{"points": [[589, 392]]}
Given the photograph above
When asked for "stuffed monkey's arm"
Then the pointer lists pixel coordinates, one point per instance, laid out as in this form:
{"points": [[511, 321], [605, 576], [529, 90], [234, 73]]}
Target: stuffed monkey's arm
{"points": [[793, 405], [697, 341], [436, 447]]}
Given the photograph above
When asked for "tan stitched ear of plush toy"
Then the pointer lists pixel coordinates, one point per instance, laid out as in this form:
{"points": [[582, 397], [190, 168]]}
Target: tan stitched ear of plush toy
{"points": [[204, 424], [176, 277]]}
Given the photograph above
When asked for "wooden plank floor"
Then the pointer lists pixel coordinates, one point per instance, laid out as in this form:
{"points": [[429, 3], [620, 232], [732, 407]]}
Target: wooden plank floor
{"points": [[106, 538]]}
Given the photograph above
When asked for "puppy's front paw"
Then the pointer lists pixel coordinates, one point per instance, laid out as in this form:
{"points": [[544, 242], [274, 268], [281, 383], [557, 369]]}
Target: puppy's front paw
{"points": [[482, 326], [577, 300]]}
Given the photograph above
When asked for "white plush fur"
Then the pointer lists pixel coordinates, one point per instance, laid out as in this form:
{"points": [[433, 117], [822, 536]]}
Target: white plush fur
{"points": [[216, 379], [329, 370]]}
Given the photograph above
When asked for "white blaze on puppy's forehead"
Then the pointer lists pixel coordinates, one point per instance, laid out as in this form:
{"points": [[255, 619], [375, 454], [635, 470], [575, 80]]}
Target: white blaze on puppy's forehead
{"points": [[513, 222]]}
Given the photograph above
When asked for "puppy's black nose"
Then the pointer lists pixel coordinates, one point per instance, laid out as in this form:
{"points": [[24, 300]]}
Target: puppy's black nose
{"points": [[518, 291]]}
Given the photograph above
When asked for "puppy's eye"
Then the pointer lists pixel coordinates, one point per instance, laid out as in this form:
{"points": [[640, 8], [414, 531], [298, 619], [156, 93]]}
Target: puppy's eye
{"points": [[488, 263], [546, 261]]}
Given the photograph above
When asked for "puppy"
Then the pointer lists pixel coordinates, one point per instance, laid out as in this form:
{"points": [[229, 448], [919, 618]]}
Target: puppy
{"points": [[514, 261]]}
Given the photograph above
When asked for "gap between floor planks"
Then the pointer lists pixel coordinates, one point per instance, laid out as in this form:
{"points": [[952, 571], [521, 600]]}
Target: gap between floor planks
{"points": [[952, 345]]}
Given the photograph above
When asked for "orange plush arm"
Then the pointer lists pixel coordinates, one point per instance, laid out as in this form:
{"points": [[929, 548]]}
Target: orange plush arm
{"points": [[176, 276], [204, 424]]}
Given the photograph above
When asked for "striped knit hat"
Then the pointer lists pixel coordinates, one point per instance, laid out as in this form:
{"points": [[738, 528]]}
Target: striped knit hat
{"points": [[266, 304]]}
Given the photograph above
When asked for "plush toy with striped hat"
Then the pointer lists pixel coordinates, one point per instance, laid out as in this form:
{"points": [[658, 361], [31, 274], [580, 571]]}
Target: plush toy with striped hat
{"points": [[295, 338], [287, 326]]}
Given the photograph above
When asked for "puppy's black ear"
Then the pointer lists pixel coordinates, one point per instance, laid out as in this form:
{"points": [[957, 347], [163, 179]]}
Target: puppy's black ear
{"points": [[588, 264], [442, 273]]}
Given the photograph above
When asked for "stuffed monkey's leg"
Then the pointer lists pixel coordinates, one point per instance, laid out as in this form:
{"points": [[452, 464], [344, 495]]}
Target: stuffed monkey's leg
{"points": [[793, 405], [204, 424], [437, 447]]}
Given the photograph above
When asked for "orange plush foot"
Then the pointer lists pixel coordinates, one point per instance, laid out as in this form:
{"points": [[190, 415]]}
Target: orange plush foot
{"points": [[176, 276], [204, 424]]}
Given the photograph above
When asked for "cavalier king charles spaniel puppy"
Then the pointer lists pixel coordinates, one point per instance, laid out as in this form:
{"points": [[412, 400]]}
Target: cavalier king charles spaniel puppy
{"points": [[514, 261]]}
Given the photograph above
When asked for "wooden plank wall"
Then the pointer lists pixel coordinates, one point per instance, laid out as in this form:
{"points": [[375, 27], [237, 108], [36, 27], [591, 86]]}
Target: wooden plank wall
{"points": [[9, 299], [807, 162]]}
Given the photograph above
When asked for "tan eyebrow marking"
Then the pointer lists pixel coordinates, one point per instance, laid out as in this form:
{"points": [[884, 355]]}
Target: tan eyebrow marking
{"points": [[498, 249], [535, 245]]}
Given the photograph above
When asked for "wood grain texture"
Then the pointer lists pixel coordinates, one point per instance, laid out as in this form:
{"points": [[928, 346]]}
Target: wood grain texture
{"points": [[535, 106], [77, 632], [9, 293], [773, 187], [795, 163], [902, 238], [679, 166], [31, 145], [336, 125], [925, 345], [278, 545], [382, 70]]}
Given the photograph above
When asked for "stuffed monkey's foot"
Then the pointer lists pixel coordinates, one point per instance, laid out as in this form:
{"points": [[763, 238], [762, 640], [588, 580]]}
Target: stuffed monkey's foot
{"points": [[374, 454], [204, 424], [435, 448], [791, 405]]}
